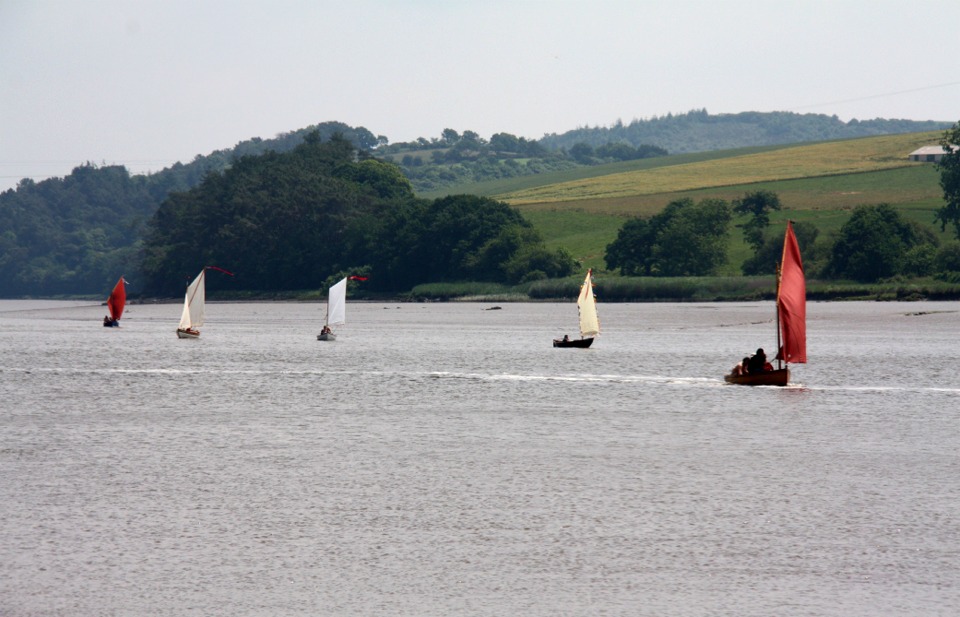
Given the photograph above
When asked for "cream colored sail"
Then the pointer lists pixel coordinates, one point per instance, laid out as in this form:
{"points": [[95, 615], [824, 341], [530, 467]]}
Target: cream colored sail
{"points": [[337, 304], [587, 303], [193, 304]]}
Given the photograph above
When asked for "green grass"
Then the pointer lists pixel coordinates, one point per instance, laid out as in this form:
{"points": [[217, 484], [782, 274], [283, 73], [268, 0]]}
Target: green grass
{"points": [[504, 186], [581, 210], [735, 169], [586, 226], [582, 234]]}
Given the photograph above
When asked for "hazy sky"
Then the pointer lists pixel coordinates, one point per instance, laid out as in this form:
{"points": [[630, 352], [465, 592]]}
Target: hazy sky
{"points": [[146, 83]]}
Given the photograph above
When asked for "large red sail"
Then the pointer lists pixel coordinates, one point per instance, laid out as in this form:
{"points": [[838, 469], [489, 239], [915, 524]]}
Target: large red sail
{"points": [[792, 301], [117, 300]]}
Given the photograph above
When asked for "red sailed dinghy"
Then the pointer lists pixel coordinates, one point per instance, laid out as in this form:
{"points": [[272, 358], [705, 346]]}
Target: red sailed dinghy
{"points": [[791, 320], [115, 304]]}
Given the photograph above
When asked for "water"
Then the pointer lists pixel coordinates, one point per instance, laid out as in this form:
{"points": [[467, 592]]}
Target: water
{"points": [[444, 459]]}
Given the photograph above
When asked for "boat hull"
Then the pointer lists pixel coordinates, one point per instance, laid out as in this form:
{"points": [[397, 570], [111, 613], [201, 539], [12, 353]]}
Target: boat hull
{"points": [[329, 336], [111, 324], [778, 377], [582, 343], [181, 333]]}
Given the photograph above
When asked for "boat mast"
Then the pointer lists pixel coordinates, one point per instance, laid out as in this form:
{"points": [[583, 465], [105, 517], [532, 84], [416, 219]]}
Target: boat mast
{"points": [[779, 346]]}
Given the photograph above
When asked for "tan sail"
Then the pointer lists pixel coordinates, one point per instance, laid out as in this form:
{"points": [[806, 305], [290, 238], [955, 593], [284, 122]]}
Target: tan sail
{"points": [[587, 303]]}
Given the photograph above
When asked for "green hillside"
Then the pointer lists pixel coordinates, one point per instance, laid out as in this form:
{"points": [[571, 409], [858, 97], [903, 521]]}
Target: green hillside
{"points": [[820, 183]]}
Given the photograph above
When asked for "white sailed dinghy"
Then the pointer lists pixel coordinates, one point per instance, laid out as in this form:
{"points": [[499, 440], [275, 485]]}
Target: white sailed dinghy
{"points": [[194, 305], [589, 322], [194, 308], [336, 310]]}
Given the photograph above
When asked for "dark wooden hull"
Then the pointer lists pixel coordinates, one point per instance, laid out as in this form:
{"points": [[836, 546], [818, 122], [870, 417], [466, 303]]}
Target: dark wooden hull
{"points": [[111, 324], [582, 343], [779, 377]]}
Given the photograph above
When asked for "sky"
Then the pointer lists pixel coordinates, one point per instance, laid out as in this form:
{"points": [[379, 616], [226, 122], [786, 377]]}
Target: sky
{"points": [[146, 83]]}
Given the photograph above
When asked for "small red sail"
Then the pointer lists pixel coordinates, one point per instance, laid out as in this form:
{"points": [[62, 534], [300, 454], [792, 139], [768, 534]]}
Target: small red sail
{"points": [[792, 301], [117, 300]]}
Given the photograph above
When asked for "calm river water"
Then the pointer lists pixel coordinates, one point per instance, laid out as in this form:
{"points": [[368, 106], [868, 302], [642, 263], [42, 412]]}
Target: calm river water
{"points": [[446, 460]]}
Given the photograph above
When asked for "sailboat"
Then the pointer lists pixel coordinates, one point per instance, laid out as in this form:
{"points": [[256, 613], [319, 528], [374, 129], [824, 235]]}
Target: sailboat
{"points": [[791, 319], [589, 322], [336, 310], [194, 309], [115, 304]]}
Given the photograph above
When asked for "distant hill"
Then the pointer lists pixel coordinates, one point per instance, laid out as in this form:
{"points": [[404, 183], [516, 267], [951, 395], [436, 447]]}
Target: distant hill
{"points": [[73, 234], [698, 131]]}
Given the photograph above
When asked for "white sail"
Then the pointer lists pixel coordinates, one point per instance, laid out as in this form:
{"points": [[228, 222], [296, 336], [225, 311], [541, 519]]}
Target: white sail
{"points": [[193, 304], [337, 304], [587, 303]]}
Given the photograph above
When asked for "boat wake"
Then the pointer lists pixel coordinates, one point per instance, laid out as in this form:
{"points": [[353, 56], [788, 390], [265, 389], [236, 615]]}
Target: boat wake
{"points": [[414, 376], [581, 378]]}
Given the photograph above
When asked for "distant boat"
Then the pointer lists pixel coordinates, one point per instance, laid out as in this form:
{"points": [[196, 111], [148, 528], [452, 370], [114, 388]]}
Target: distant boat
{"points": [[194, 308], [115, 304], [336, 310], [589, 322], [791, 319], [194, 305]]}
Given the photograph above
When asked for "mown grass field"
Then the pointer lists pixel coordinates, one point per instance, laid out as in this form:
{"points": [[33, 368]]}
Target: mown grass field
{"points": [[820, 183]]}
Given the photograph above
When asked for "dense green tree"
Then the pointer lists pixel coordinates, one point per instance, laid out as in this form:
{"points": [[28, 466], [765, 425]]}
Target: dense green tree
{"points": [[582, 153], [919, 260], [456, 238], [685, 239], [279, 221], [758, 205], [873, 244], [694, 241], [505, 143], [947, 259], [630, 252], [766, 258], [449, 137], [72, 235], [616, 152], [949, 168]]}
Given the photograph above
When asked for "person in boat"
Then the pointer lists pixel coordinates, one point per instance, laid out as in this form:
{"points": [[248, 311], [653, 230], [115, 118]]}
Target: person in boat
{"points": [[566, 339], [758, 362], [742, 368], [326, 330], [108, 322]]}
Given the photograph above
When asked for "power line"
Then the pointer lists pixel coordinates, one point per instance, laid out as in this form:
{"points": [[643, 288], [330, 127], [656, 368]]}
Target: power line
{"points": [[879, 96]]}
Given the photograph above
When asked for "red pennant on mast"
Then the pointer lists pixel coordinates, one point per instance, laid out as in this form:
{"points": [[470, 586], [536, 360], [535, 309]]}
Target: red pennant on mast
{"points": [[219, 269]]}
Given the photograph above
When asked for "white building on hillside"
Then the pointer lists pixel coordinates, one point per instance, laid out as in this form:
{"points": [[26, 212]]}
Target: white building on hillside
{"points": [[929, 154]]}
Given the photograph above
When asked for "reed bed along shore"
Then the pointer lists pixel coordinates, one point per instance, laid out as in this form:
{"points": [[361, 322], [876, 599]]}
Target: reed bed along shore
{"points": [[684, 289]]}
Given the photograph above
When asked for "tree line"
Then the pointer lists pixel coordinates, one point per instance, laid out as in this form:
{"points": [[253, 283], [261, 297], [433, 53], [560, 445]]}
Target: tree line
{"points": [[876, 243], [288, 221], [72, 235], [455, 159], [700, 131]]}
